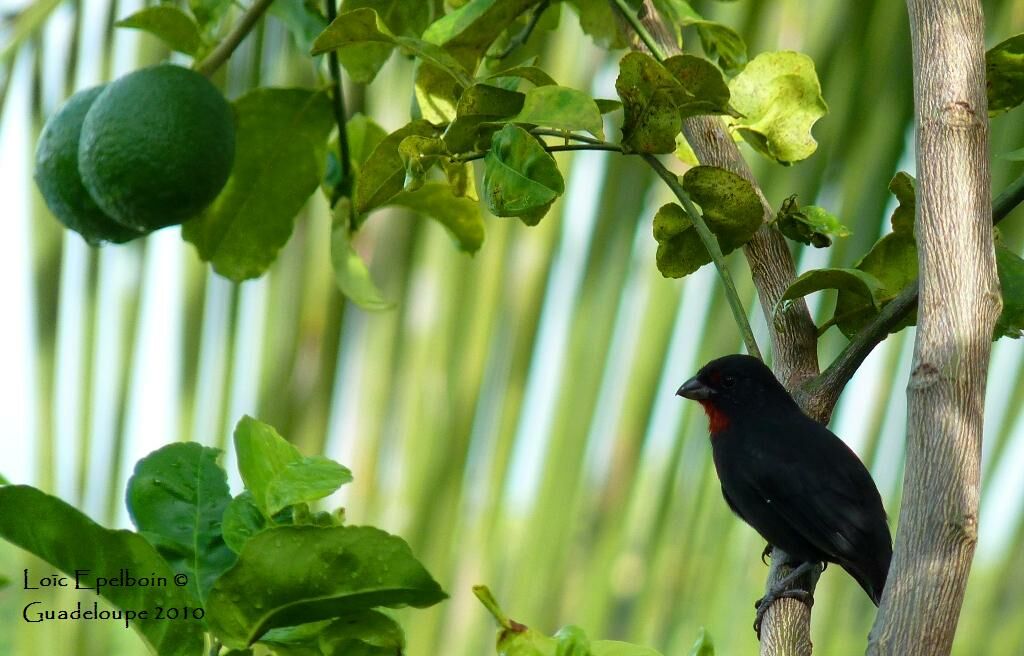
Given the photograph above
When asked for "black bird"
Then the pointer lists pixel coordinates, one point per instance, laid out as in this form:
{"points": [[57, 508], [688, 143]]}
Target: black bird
{"points": [[789, 477]]}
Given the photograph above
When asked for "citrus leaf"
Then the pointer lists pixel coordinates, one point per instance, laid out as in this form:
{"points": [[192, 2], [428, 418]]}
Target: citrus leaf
{"points": [[598, 20], [402, 17], [351, 274], [47, 527], [1011, 278], [561, 108], [811, 225], [1004, 69], [722, 43], [367, 633], [279, 162], [854, 281], [169, 24], [1013, 155], [780, 98], [470, 30], [277, 474], [362, 40], [480, 104], [383, 174], [295, 574], [707, 92], [730, 208], [241, 520], [176, 498], [571, 640], [650, 97], [536, 76], [520, 177], [419, 154], [703, 646], [459, 215], [902, 186]]}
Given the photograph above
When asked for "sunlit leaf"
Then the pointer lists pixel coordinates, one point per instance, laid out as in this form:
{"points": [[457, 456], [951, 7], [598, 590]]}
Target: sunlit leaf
{"points": [[384, 172], [479, 105], [561, 108], [351, 275], [470, 30], [520, 177], [780, 98], [169, 24]]}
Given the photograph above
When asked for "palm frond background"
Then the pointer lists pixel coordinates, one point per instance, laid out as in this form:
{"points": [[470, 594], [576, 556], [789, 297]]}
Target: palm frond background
{"points": [[513, 417]]}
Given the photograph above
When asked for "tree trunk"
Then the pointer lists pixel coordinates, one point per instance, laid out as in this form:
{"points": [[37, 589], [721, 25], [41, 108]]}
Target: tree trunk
{"points": [[959, 303]]}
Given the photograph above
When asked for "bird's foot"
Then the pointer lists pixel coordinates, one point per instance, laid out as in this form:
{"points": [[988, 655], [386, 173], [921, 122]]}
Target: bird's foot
{"points": [[767, 553], [766, 601], [781, 590]]}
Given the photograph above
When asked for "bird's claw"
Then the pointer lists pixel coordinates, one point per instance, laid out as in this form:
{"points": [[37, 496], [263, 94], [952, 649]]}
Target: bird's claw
{"points": [[766, 553], [766, 601]]}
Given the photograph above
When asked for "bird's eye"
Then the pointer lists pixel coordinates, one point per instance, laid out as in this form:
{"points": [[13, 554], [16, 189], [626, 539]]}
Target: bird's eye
{"points": [[728, 381]]}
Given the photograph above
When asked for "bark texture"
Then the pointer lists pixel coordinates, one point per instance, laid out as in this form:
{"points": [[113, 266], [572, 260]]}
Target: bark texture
{"points": [[959, 303]]}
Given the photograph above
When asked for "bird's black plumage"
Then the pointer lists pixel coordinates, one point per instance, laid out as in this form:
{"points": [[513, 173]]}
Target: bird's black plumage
{"points": [[788, 476]]}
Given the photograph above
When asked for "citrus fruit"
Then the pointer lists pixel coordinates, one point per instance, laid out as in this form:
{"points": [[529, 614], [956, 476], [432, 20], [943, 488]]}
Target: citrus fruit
{"points": [[58, 180], [157, 146]]}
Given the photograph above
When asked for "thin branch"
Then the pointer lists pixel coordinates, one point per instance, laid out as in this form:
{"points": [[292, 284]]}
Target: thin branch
{"points": [[225, 48], [344, 186], [561, 134], [640, 29], [523, 36], [711, 243], [832, 381], [597, 145]]}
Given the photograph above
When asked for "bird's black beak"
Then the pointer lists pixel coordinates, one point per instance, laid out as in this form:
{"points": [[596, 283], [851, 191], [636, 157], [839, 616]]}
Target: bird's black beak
{"points": [[695, 389]]}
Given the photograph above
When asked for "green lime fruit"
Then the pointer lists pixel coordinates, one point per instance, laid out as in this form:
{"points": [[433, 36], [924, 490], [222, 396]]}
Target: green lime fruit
{"points": [[59, 181], [157, 146]]}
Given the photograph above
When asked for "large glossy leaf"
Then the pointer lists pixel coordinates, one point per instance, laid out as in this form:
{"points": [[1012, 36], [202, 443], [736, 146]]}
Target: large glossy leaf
{"points": [[62, 536], [730, 208], [169, 24], [855, 282], [280, 155], [176, 498], [1004, 68], [520, 177], [780, 98], [277, 474], [295, 574]]}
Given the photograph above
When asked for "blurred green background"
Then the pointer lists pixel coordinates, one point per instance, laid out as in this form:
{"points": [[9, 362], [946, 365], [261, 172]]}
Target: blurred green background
{"points": [[513, 416]]}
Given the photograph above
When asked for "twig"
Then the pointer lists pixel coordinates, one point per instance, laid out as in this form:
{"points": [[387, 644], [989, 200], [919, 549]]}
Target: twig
{"points": [[344, 186], [640, 29], [523, 36], [225, 48], [832, 381], [561, 134], [597, 145], [711, 243]]}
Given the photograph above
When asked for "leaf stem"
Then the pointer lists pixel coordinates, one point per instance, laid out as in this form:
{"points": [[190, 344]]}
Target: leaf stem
{"points": [[597, 145], [344, 186], [711, 243], [209, 65], [641, 30], [483, 593]]}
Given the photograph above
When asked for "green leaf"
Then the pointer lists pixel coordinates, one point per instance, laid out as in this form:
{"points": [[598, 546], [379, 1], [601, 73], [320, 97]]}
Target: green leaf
{"points": [[383, 174], [1013, 155], [241, 520], [47, 527], [598, 20], [811, 225], [520, 177], [351, 274], [651, 96], [730, 208], [208, 12], [169, 24], [1011, 278], [780, 98], [470, 30], [722, 43], [902, 186], [705, 89], [366, 633], [437, 94], [459, 215], [561, 108], [361, 40], [536, 76], [277, 474], [703, 646], [571, 640], [479, 105], [3, 480], [295, 574], [893, 261], [854, 281], [176, 498], [402, 17], [419, 154], [1004, 68], [281, 138]]}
